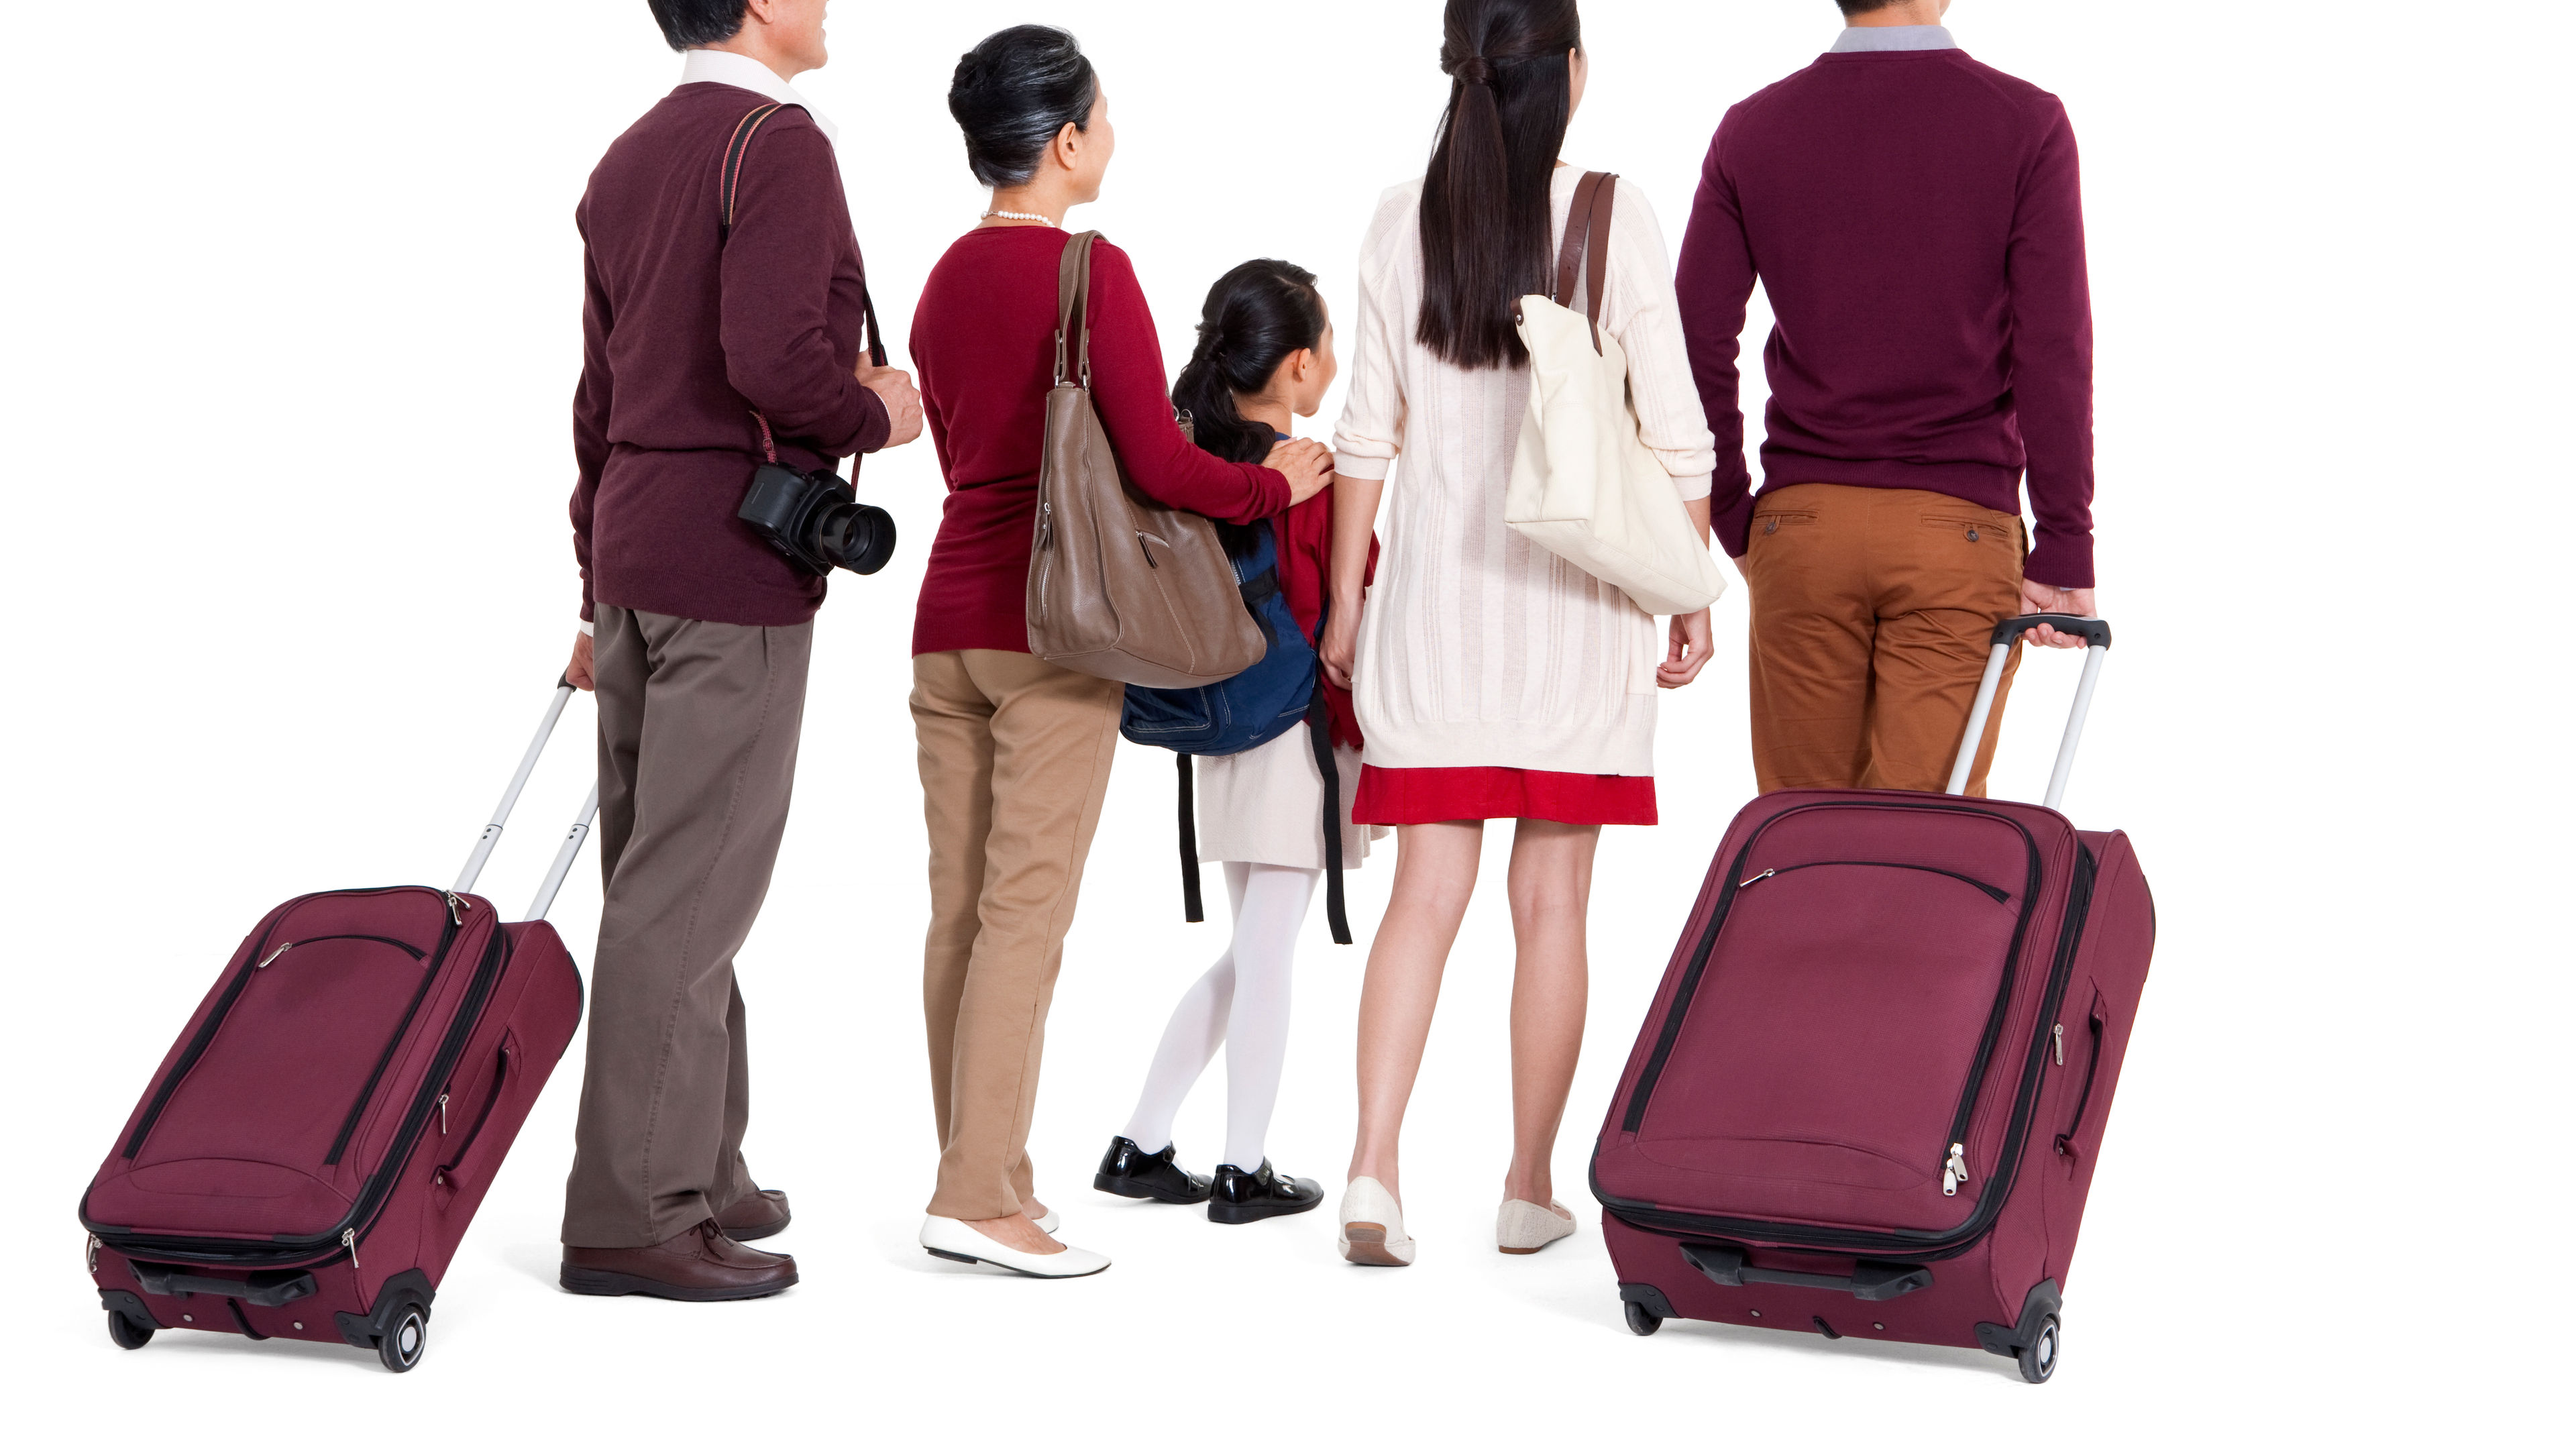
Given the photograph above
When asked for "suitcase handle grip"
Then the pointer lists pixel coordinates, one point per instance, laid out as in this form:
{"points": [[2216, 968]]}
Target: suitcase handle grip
{"points": [[1727, 1266], [2096, 633], [271, 1288]]}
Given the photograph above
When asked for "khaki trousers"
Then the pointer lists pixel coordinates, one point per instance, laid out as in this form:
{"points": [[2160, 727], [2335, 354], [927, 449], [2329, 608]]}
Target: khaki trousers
{"points": [[698, 724], [1873, 616], [1015, 757]]}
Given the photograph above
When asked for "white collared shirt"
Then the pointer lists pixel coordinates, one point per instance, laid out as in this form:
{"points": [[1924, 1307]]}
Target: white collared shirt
{"points": [[728, 69], [1894, 37]]}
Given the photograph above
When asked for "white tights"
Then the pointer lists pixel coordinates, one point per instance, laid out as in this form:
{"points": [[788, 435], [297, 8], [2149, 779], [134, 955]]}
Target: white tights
{"points": [[1241, 1004]]}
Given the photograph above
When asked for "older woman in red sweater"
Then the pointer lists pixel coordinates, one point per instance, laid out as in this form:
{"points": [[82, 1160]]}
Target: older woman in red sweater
{"points": [[1015, 753]]}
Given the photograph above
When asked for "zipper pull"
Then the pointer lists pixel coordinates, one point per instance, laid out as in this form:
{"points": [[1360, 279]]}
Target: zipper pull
{"points": [[455, 908], [273, 955], [442, 1114], [1046, 523], [349, 1240], [93, 1252], [2059, 1031], [1766, 875], [1955, 1171]]}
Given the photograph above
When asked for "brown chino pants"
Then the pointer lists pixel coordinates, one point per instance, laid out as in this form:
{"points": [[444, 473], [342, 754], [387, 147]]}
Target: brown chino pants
{"points": [[1015, 758], [1873, 616], [698, 724]]}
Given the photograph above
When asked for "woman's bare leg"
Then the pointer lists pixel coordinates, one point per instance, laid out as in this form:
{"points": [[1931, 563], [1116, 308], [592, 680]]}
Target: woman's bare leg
{"points": [[1435, 874], [1551, 893]]}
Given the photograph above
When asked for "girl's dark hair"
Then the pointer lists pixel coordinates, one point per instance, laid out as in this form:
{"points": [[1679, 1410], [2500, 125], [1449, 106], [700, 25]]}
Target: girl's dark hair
{"points": [[1013, 93], [687, 24], [1256, 317], [1485, 203]]}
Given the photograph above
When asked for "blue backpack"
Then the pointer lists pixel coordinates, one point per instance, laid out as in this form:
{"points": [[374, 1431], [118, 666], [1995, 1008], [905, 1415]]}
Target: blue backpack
{"points": [[1246, 712]]}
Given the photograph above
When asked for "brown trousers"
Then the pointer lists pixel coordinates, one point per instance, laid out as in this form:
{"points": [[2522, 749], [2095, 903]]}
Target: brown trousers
{"points": [[698, 725], [1873, 616], [1015, 758]]}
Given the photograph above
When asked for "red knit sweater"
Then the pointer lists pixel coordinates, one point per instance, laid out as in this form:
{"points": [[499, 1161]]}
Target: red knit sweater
{"points": [[983, 341]]}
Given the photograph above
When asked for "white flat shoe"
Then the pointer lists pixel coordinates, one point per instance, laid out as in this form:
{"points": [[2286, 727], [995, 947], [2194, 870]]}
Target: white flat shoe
{"points": [[1525, 1227], [948, 1238], [1048, 1224], [1373, 1226]]}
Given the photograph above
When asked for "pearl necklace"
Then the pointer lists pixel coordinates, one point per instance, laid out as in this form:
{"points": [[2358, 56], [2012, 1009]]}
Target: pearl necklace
{"points": [[1016, 216]]}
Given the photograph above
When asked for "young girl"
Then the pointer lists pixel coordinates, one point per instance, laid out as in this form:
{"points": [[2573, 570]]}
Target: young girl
{"points": [[1265, 355]]}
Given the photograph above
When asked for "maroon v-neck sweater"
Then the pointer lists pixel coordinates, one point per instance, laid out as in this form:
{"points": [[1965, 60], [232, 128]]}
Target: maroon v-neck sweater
{"points": [[684, 339], [1916, 221], [983, 336]]}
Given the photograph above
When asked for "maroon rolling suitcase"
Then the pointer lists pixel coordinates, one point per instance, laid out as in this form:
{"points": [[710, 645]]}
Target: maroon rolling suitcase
{"points": [[311, 1150], [1869, 1096]]}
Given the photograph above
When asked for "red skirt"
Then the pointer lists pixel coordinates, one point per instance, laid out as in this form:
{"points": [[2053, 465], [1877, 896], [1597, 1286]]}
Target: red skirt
{"points": [[1492, 792]]}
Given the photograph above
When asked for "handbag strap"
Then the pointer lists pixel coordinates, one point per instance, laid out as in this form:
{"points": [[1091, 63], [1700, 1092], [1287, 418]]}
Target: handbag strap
{"points": [[728, 192], [1587, 246], [1073, 307]]}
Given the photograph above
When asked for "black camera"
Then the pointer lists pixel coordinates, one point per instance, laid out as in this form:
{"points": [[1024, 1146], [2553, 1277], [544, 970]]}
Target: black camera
{"points": [[816, 521]]}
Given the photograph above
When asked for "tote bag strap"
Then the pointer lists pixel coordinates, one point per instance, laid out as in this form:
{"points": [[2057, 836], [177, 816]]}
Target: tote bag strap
{"points": [[1073, 309], [1587, 246]]}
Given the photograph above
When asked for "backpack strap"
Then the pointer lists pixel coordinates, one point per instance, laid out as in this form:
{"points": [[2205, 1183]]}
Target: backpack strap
{"points": [[1195, 909], [1319, 729]]}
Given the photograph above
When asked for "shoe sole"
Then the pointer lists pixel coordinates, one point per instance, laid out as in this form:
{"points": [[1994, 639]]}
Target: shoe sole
{"points": [[1121, 1187], [600, 1283], [1238, 1213], [1023, 1272], [753, 1235], [1365, 1244]]}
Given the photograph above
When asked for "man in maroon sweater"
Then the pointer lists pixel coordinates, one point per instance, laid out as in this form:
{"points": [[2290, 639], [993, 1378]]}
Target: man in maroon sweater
{"points": [[1915, 219], [703, 347]]}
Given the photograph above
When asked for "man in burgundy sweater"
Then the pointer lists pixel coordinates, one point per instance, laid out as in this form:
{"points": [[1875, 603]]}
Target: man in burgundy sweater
{"points": [[702, 349], [1915, 219]]}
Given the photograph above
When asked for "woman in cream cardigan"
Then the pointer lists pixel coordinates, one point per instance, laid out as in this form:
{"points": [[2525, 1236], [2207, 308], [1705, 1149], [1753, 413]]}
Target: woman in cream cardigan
{"points": [[1493, 680]]}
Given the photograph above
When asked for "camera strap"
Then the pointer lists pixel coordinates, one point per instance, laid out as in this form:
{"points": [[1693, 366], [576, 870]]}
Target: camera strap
{"points": [[728, 187]]}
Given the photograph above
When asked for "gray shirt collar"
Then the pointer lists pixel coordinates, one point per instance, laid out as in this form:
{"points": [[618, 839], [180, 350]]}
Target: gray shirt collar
{"points": [[1894, 37]]}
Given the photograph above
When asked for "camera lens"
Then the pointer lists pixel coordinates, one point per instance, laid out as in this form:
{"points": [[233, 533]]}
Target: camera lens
{"points": [[857, 536]]}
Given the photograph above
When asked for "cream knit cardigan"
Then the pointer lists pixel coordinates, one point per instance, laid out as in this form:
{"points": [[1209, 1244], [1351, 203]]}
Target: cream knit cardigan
{"points": [[1478, 647]]}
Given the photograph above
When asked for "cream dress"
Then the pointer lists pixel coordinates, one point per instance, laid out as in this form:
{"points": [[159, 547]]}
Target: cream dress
{"points": [[1266, 805]]}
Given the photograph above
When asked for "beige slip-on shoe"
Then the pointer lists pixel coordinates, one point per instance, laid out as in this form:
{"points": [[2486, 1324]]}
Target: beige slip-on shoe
{"points": [[1525, 1227], [1372, 1231]]}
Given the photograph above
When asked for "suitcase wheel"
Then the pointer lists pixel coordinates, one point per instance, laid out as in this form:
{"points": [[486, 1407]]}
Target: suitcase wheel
{"points": [[402, 1345], [2039, 1360], [125, 1332], [1641, 1320]]}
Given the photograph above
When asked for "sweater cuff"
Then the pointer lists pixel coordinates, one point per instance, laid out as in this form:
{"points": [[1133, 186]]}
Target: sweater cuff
{"points": [[875, 423], [1694, 487], [1362, 467], [2061, 560], [1732, 526]]}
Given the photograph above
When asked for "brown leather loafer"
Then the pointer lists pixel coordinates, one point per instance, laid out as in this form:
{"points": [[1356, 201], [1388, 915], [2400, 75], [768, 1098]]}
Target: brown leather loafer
{"points": [[759, 1213], [701, 1265]]}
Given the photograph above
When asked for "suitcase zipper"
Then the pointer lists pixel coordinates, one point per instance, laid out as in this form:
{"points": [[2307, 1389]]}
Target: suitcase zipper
{"points": [[1999, 894], [428, 977], [205, 1033], [500, 1078], [1737, 883], [315, 1251], [1912, 1243]]}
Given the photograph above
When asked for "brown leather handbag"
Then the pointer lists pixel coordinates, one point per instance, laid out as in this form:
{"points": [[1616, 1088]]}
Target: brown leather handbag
{"points": [[1121, 586]]}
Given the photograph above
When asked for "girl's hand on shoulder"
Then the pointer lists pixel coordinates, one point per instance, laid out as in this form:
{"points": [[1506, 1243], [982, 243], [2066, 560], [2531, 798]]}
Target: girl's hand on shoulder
{"points": [[1307, 465], [1688, 654]]}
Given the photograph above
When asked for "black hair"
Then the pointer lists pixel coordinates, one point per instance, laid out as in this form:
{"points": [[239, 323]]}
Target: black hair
{"points": [[1256, 317], [687, 24], [1851, 8], [1485, 203], [1014, 93]]}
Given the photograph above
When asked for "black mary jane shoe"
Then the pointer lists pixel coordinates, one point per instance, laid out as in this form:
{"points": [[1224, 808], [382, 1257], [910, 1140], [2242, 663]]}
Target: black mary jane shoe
{"points": [[1131, 1171], [1238, 1196]]}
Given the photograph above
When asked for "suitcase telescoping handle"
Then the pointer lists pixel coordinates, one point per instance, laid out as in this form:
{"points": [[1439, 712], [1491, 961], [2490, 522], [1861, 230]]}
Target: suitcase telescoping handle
{"points": [[573, 838], [2096, 635]]}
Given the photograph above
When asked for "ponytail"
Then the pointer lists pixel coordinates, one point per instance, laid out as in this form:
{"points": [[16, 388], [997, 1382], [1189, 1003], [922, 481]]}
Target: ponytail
{"points": [[1486, 213], [1257, 316]]}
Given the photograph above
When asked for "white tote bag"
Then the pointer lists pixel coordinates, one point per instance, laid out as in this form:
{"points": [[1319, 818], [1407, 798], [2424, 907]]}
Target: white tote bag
{"points": [[1584, 486]]}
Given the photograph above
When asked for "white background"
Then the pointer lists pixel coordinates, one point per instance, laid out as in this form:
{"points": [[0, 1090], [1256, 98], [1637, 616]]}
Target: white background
{"points": [[293, 320]]}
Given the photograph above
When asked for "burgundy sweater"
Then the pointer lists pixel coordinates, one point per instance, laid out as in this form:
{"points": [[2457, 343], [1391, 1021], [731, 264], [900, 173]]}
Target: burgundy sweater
{"points": [[983, 337], [1916, 222], [683, 339]]}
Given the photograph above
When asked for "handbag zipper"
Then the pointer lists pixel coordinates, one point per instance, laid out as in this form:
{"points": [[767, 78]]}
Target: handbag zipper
{"points": [[320, 1249]]}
